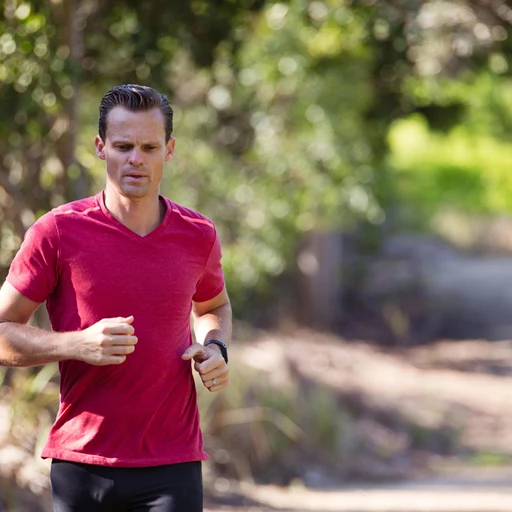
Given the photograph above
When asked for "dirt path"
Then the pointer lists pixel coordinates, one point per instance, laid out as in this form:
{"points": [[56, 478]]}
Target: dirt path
{"points": [[471, 380], [461, 491]]}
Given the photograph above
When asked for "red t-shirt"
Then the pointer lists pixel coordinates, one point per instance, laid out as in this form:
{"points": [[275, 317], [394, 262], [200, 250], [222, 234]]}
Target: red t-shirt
{"points": [[89, 266]]}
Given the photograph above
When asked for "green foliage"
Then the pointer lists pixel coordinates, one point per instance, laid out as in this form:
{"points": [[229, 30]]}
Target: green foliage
{"points": [[488, 459], [33, 397], [268, 143], [276, 136], [284, 111], [466, 168]]}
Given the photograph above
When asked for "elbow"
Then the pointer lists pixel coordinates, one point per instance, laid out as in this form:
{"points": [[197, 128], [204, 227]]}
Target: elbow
{"points": [[8, 355], [10, 360]]}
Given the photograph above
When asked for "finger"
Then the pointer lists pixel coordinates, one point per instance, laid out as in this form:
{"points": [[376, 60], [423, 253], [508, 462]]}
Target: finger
{"points": [[119, 350], [195, 350], [216, 381], [211, 383], [216, 384], [119, 339], [215, 374], [211, 364], [119, 320], [118, 328], [109, 360], [197, 367], [116, 359]]}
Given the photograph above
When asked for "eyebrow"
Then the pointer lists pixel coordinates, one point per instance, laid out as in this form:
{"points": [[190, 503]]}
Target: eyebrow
{"points": [[145, 143]]}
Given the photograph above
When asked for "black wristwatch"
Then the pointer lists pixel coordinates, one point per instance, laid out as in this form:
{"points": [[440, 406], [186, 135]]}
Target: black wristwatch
{"points": [[222, 346]]}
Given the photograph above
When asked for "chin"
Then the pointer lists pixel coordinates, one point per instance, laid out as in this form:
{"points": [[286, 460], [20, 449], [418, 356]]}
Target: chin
{"points": [[135, 193]]}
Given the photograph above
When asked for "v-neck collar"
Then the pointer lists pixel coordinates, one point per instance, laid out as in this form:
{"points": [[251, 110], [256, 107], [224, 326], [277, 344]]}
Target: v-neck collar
{"points": [[119, 225]]}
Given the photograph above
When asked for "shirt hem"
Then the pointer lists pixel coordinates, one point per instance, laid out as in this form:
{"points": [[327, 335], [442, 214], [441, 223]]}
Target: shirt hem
{"points": [[98, 460], [209, 296], [24, 290]]}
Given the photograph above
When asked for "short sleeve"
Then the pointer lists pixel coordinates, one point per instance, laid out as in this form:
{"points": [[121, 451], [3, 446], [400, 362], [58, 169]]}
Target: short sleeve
{"points": [[34, 269], [211, 282]]}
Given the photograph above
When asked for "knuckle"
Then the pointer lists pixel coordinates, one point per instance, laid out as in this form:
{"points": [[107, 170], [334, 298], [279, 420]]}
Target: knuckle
{"points": [[104, 340]]}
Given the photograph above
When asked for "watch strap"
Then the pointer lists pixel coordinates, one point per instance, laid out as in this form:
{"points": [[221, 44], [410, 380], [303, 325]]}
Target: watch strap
{"points": [[221, 345]]}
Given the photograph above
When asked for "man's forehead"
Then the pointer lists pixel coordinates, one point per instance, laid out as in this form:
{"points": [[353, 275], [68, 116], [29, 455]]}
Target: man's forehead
{"points": [[130, 139], [122, 122], [123, 114]]}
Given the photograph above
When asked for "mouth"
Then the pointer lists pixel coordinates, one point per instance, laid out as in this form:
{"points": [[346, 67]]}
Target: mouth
{"points": [[136, 176]]}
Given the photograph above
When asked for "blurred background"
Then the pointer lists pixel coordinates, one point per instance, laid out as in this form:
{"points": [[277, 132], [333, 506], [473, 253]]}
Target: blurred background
{"points": [[355, 157]]}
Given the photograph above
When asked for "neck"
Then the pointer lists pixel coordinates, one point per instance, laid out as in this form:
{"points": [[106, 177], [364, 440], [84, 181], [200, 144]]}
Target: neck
{"points": [[140, 215]]}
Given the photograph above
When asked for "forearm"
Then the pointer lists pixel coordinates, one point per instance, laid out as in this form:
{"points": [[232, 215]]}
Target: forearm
{"points": [[214, 325], [24, 345]]}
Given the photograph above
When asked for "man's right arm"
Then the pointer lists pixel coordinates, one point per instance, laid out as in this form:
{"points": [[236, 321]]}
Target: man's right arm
{"points": [[108, 341]]}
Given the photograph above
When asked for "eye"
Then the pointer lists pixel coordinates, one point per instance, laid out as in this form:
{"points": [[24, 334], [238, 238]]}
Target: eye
{"points": [[123, 147], [149, 148]]}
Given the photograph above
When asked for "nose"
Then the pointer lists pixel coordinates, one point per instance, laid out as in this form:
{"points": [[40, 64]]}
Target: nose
{"points": [[135, 157]]}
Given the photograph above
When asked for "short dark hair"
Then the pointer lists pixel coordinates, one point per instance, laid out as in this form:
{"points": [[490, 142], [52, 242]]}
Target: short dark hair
{"points": [[136, 98]]}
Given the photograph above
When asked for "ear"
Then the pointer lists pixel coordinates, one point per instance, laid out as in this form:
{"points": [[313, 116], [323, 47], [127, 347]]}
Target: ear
{"points": [[100, 147], [169, 151]]}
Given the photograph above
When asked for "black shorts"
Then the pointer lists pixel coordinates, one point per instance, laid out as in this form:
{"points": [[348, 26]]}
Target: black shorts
{"points": [[89, 488]]}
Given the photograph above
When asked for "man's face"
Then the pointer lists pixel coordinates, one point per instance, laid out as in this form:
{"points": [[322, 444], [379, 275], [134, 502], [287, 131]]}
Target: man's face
{"points": [[135, 151]]}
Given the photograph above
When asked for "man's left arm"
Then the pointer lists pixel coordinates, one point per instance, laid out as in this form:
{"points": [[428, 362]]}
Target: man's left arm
{"points": [[212, 321]]}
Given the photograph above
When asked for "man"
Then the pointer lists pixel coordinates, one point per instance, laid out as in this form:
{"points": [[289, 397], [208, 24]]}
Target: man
{"points": [[121, 273]]}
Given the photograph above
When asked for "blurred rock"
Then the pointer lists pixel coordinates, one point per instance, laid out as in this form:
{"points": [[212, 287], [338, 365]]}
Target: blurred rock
{"points": [[422, 289]]}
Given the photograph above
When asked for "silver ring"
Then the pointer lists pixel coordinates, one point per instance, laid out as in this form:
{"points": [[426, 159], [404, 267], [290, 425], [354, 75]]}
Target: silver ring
{"points": [[214, 382]]}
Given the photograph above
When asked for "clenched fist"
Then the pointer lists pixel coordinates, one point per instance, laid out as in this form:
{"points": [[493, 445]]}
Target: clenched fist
{"points": [[210, 365], [108, 341]]}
